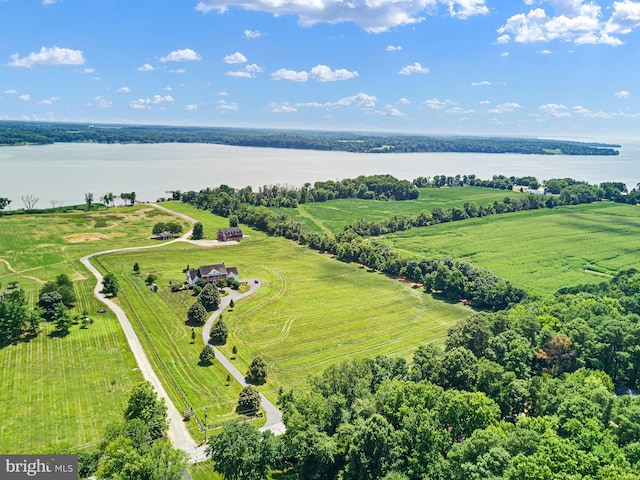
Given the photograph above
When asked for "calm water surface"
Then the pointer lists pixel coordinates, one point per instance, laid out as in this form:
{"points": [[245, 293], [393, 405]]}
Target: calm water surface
{"points": [[64, 172]]}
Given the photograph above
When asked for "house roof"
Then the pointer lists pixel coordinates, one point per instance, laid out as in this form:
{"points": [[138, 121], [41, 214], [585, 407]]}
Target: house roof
{"points": [[230, 231]]}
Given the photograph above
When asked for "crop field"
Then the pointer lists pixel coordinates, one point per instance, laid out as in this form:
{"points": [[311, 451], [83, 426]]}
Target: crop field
{"points": [[311, 311], [334, 214], [66, 389], [540, 250]]}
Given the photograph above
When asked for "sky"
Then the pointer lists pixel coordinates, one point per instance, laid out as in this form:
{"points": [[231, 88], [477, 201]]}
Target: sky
{"points": [[550, 68]]}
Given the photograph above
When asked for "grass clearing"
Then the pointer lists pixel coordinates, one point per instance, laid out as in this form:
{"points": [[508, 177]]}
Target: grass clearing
{"points": [[539, 250], [65, 389], [311, 311], [334, 214]]}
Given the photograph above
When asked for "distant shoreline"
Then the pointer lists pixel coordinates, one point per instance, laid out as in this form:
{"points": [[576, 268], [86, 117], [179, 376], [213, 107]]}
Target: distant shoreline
{"points": [[29, 133]]}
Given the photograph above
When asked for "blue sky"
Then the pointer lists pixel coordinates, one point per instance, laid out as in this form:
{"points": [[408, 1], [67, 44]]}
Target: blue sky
{"points": [[555, 68]]}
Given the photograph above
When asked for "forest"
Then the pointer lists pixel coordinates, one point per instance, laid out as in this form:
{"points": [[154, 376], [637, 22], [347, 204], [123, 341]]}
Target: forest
{"points": [[36, 133]]}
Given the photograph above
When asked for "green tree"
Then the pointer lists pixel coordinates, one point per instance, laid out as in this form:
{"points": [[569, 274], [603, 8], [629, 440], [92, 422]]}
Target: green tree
{"points": [[107, 198], [198, 231], [219, 333], [4, 203], [144, 404], [62, 318], [371, 452], [49, 302], [136, 268], [209, 298], [158, 228], [207, 356], [257, 371], [233, 221], [14, 315], [88, 199], [249, 400], [110, 285], [240, 451], [196, 314]]}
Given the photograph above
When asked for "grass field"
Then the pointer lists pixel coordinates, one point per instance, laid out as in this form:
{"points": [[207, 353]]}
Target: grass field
{"points": [[539, 250], [312, 311], [333, 215], [65, 389]]}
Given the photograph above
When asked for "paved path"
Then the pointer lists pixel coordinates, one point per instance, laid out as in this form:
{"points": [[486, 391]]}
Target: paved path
{"points": [[178, 432]]}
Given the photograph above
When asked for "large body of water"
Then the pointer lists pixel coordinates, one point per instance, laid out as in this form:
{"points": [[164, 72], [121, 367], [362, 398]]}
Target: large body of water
{"points": [[64, 172]]}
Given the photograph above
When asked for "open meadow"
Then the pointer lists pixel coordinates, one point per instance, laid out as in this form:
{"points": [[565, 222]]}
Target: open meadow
{"points": [[334, 214], [65, 390], [311, 311], [538, 250]]}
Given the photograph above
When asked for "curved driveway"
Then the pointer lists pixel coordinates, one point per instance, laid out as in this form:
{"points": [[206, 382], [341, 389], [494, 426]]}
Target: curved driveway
{"points": [[178, 432]]}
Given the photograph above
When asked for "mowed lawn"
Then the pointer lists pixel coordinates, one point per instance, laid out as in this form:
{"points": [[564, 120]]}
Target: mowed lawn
{"points": [[65, 390], [311, 312], [334, 214], [540, 250]]}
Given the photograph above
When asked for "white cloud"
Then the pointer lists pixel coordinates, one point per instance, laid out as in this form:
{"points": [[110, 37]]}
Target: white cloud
{"points": [[585, 112], [49, 2], [391, 111], [146, 68], [249, 71], [576, 21], [504, 54], [235, 58], [178, 71], [224, 106], [393, 48], [146, 103], [555, 110], [292, 75], [545, 52], [88, 70], [185, 55], [374, 16], [24, 98], [191, 106], [323, 73], [411, 69], [251, 34], [403, 101], [622, 94], [435, 104], [11, 91], [167, 89], [223, 94], [505, 107], [282, 108], [49, 101], [48, 56], [361, 100], [124, 90], [481, 84], [484, 102], [99, 102]]}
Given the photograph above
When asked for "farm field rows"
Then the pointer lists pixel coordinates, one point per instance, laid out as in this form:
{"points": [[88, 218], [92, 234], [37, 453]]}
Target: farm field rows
{"points": [[334, 214], [65, 389], [311, 311], [539, 250]]}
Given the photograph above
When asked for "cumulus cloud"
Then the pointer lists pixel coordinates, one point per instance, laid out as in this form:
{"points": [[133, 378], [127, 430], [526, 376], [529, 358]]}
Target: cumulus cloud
{"points": [[282, 108], [24, 98], [585, 112], [323, 73], [435, 104], [360, 100], [250, 71], [147, 103], [555, 110], [49, 101], [251, 34], [403, 101], [224, 106], [235, 58], [124, 90], [481, 84], [411, 69], [505, 107], [622, 94], [185, 55], [576, 21], [191, 106], [373, 16], [390, 111], [284, 74], [99, 102], [146, 68], [49, 2], [11, 91], [48, 56], [393, 48]]}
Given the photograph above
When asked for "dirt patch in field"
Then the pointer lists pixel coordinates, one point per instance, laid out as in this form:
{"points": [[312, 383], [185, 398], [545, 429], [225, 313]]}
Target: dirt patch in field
{"points": [[91, 237]]}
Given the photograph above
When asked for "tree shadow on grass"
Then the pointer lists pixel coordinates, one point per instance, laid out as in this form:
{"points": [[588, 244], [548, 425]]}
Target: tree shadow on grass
{"points": [[59, 333], [24, 338]]}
